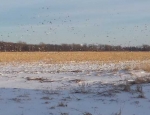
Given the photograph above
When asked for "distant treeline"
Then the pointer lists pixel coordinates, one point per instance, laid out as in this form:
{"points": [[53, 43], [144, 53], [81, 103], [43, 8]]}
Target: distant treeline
{"points": [[24, 47]]}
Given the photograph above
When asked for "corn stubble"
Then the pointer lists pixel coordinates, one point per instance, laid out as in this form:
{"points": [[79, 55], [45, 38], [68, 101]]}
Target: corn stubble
{"points": [[61, 57]]}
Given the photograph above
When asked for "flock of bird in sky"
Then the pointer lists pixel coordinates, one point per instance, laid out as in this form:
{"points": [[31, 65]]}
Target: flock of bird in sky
{"points": [[48, 27]]}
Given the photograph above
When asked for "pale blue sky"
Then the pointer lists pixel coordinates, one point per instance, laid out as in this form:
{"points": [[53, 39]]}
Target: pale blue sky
{"points": [[114, 22]]}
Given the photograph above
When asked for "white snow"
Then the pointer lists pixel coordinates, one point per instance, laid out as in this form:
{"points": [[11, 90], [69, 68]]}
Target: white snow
{"points": [[85, 88]]}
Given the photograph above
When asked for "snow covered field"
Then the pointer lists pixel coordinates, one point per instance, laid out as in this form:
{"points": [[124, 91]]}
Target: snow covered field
{"points": [[83, 88]]}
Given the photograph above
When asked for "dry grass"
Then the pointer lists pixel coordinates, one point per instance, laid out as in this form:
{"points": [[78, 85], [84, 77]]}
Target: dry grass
{"points": [[57, 57], [39, 79], [143, 66]]}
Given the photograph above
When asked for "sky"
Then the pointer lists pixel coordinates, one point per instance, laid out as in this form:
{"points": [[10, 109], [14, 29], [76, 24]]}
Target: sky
{"points": [[114, 22]]}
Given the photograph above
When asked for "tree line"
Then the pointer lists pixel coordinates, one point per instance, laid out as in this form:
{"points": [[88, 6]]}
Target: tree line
{"points": [[24, 47]]}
